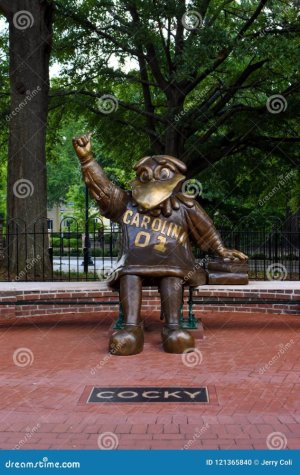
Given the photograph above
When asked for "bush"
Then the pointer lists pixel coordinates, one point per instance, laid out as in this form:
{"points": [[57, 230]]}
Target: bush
{"points": [[67, 242]]}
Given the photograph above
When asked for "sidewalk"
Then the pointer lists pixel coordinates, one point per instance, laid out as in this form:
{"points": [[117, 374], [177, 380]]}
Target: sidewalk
{"points": [[278, 285], [250, 363]]}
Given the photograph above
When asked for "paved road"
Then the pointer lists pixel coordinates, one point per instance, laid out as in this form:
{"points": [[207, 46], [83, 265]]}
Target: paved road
{"points": [[73, 264]]}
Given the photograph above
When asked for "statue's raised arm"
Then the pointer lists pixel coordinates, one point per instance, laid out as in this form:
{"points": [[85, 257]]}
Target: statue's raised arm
{"points": [[111, 199]]}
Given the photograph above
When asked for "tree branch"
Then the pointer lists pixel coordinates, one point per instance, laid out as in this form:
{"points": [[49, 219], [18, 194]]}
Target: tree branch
{"points": [[165, 45], [149, 132], [151, 56], [238, 83], [100, 32], [275, 31], [219, 9], [125, 105], [252, 19], [263, 138], [191, 85]]}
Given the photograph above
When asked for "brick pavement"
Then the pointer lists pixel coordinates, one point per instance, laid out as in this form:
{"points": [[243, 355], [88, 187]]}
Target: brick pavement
{"points": [[250, 363]]}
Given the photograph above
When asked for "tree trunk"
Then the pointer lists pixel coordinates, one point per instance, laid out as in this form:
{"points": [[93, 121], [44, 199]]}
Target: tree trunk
{"points": [[174, 138], [30, 34]]}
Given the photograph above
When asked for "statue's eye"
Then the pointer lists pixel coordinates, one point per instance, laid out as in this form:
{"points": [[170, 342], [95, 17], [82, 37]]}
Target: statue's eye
{"points": [[165, 174], [145, 176]]}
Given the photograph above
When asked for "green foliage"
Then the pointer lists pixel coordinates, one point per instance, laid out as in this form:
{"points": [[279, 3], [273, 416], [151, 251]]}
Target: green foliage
{"points": [[3, 181], [225, 123], [256, 197], [4, 112], [175, 90]]}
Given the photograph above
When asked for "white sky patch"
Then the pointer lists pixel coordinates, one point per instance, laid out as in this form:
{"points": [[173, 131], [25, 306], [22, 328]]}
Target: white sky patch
{"points": [[55, 70], [3, 25], [130, 64]]}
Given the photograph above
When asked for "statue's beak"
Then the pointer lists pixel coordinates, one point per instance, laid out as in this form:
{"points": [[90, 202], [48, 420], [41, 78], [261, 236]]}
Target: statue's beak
{"points": [[151, 194]]}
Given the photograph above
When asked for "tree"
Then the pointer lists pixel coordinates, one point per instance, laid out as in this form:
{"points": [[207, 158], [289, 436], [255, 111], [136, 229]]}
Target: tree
{"points": [[193, 79], [30, 38]]}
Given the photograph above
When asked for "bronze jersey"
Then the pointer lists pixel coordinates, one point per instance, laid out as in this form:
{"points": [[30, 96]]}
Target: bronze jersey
{"points": [[155, 245]]}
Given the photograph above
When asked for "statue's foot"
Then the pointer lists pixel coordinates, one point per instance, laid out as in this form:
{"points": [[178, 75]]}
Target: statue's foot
{"points": [[176, 340], [129, 341]]}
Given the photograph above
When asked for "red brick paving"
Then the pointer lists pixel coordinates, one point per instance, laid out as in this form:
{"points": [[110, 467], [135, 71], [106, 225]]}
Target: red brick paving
{"points": [[41, 404]]}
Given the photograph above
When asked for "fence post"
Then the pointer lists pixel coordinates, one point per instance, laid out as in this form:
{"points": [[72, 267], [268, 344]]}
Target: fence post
{"points": [[87, 261]]}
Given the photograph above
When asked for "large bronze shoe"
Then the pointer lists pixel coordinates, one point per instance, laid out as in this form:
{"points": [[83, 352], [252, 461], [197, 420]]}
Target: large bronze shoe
{"points": [[176, 340], [129, 341]]}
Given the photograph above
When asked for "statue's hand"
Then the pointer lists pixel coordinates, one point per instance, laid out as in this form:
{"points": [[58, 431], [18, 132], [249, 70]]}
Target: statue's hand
{"points": [[83, 146], [232, 254]]}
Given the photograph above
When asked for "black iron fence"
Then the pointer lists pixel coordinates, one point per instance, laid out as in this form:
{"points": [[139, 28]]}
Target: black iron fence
{"points": [[41, 254]]}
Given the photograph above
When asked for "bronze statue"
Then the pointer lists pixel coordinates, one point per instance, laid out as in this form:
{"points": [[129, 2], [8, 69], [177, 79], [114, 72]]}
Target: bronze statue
{"points": [[157, 222]]}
